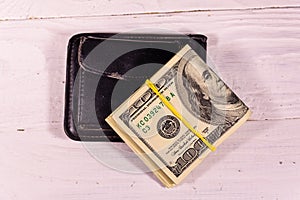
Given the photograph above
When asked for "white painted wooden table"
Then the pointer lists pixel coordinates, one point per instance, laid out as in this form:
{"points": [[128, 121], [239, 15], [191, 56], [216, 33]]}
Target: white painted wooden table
{"points": [[254, 44]]}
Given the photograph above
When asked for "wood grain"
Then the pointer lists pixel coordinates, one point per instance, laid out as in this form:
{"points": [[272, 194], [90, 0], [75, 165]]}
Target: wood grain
{"points": [[29, 9], [260, 161], [255, 51]]}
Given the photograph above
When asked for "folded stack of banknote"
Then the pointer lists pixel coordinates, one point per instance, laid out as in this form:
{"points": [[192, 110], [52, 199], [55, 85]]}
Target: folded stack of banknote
{"points": [[183, 112]]}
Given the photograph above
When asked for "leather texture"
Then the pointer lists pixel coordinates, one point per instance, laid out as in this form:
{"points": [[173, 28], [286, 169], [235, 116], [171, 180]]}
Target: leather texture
{"points": [[104, 69]]}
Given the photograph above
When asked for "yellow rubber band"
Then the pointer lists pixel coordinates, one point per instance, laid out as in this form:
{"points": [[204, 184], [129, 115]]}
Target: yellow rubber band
{"points": [[178, 115]]}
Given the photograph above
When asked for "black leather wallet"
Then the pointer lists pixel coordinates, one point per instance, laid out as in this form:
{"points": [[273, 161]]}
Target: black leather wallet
{"points": [[104, 69]]}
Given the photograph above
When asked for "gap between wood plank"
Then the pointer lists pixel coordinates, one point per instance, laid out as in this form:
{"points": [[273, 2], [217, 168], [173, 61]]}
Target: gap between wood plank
{"points": [[159, 13], [274, 119]]}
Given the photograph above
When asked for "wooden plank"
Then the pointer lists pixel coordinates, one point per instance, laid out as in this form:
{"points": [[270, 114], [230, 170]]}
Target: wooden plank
{"points": [[260, 161], [27, 9], [256, 53]]}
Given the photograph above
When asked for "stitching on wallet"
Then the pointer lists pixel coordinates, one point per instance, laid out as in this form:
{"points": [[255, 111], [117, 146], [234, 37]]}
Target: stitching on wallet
{"points": [[71, 86], [81, 91]]}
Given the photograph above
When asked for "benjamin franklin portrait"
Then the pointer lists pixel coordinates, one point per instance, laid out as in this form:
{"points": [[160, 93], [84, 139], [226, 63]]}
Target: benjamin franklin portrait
{"points": [[204, 94]]}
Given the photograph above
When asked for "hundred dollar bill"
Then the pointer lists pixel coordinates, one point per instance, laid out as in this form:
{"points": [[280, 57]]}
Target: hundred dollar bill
{"points": [[166, 145]]}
